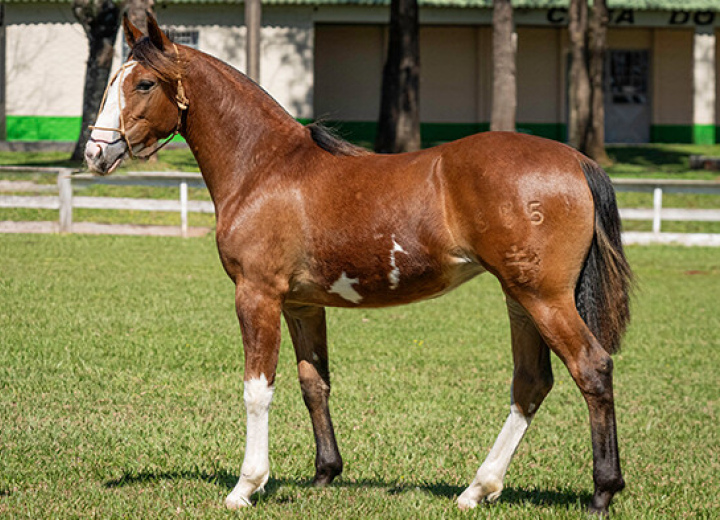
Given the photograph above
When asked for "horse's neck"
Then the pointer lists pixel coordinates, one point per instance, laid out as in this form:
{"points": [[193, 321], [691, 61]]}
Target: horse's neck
{"points": [[234, 128]]}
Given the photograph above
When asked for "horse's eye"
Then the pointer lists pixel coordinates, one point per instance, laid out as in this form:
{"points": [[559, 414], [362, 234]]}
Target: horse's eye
{"points": [[145, 85]]}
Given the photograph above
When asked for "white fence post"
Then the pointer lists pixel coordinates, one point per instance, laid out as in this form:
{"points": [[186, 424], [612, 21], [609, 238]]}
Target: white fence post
{"points": [[657, 209], [184, 208], [65, 196]]}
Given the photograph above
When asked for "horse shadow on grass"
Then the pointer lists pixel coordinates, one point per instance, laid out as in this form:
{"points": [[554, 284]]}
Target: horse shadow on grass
{"points": [[559, 497]]}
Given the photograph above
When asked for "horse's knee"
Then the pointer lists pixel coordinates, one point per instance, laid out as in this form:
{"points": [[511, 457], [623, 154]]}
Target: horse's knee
{"points": [[594, 376]]}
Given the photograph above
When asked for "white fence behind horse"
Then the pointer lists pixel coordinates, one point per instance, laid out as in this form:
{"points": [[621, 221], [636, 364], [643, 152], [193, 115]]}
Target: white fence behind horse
{"points": [[66, 201]]}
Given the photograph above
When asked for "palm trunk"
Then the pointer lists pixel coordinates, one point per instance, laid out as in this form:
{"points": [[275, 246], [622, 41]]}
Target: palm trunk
{"points": [[399, 123], [595, 145], [504, 105], [580, 92]]}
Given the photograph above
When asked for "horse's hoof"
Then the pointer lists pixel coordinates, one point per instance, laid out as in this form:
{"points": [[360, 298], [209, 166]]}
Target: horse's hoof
{"points": [[466, 504], [237, 502], [595, 512], [492, 497], [322, 481], [326, 474]]}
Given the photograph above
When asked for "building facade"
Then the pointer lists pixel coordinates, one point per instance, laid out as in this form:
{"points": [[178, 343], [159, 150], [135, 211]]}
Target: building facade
{"points": [[322, 59]]}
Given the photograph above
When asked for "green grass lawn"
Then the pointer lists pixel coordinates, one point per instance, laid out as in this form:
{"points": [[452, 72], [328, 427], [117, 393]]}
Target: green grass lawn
{"points": [[121, 394]]}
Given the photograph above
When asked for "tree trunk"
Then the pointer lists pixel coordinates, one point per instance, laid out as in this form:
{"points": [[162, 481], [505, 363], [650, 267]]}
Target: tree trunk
{"points": [[595, 145], [580, 91], [137, 12], [399, 124], [504, 104], [100, 19]]}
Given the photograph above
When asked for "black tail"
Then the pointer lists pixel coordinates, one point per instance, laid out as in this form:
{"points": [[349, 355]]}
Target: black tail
{"points": [[602, 294]]}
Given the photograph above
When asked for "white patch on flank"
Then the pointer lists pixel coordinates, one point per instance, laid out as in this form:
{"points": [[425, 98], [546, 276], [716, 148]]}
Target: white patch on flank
{"points": [[256, 466], [114, 104], [315, 357], [531, 407], [344, 287], [394, 274], [488, 482]]}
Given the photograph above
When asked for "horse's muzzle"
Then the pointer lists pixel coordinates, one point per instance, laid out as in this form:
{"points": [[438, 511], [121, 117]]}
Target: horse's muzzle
{"points": [[104, 158]]}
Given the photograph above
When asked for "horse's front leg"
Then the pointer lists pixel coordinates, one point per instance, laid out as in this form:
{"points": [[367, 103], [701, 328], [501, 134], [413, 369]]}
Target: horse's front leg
{"points": [[258, 310], [307, 328]]}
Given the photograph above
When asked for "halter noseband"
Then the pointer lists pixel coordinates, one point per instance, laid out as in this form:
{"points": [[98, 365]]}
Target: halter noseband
{"points": [[180, 99]]}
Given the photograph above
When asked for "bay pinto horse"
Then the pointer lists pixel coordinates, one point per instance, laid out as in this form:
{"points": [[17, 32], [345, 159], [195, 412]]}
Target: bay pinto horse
{"points": [[307, 221]]}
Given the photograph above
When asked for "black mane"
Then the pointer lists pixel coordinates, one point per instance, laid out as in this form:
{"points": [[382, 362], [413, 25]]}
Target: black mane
{"points": [[329, 141]]}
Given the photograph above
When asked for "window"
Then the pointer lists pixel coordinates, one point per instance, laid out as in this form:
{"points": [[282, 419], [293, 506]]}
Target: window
{"points": [[628, 77]]}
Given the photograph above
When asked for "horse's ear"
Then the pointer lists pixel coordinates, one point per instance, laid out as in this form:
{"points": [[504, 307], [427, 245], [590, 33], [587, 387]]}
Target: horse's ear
{"points": [[132, 33], [157, 37]]}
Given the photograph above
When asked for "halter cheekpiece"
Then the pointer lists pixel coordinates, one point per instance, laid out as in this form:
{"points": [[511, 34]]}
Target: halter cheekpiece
{"points": [[180, 99]]}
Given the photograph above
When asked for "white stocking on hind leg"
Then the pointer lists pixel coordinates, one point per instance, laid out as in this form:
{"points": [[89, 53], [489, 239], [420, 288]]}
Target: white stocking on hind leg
{"points": [[532, 380]]}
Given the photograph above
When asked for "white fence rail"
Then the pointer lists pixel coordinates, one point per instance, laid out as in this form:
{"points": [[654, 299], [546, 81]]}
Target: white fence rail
{"points": [[66, 201], [657, 214]]}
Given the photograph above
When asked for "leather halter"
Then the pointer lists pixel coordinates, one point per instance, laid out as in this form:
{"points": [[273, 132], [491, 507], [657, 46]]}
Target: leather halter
{"points": [[180, 99]]}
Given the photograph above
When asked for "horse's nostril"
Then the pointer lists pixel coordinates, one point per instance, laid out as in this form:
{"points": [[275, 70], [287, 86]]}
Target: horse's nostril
{"points": [[92, 151]]}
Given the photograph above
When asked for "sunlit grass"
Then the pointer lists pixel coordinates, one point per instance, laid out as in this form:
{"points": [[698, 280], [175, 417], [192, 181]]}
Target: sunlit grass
{"points": [[121, 394]]}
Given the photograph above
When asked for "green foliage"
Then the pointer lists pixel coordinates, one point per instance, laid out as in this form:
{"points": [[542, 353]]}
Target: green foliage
{"points": [[121, 394]]}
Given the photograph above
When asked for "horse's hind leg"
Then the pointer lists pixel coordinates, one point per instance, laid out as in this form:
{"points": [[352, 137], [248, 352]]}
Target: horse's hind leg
{"points": [[307, 328], [591, 368], [532, 380]]}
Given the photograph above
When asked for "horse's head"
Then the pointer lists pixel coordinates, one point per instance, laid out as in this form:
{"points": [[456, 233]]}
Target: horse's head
{"points": [[144, 101]]}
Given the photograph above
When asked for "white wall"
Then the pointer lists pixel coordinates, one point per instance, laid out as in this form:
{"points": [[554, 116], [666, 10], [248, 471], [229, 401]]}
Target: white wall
{"points": [[46, 54], [286, 46]]}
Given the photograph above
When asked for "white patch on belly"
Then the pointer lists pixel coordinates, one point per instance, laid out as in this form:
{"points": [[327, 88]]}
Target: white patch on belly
{"points": [[394, 274], [344, 287]]}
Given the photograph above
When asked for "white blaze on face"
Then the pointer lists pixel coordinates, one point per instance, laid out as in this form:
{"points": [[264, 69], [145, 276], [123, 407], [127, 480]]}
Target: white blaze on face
{"points": [[344, 287], [256, 466], [106, 148], [114, 104]]}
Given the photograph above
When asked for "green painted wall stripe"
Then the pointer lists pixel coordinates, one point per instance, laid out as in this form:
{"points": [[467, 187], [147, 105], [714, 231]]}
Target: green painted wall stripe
{"points": [[704, 134], [47, 128], [671, 134], [42, 128]]}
